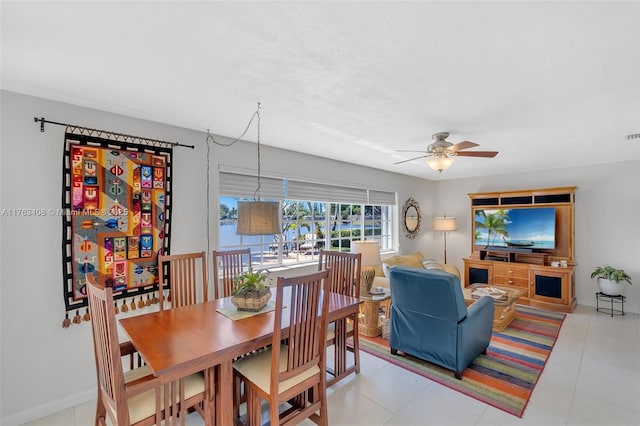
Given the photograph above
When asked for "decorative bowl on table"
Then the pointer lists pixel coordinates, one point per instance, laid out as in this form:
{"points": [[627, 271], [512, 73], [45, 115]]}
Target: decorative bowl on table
{"points": [[252, 301], [250, 293]]}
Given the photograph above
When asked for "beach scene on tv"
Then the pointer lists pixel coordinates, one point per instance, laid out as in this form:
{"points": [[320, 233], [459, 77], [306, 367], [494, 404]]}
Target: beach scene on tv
{"points": [[533, 228]]}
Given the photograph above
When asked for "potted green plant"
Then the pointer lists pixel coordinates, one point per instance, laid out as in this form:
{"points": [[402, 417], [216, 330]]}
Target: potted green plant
{"points": [[611, 280], [250, 290]]}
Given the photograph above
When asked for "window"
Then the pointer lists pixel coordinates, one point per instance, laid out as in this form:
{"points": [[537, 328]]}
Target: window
{"points": [[308, 226]]}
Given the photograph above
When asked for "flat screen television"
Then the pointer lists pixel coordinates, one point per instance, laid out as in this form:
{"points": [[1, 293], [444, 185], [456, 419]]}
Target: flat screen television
{"points": [[533, 228]]}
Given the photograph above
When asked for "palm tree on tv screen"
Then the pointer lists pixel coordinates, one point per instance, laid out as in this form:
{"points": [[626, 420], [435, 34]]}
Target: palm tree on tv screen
{"points": [[495, 223]]}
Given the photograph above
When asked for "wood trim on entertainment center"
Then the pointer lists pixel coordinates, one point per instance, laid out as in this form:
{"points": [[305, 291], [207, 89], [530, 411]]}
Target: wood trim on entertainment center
{"points": [[547, 287]]}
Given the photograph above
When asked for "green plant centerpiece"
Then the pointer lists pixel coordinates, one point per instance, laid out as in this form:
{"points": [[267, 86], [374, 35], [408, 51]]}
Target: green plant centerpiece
{"points": [[611, 280], [251, 291]]}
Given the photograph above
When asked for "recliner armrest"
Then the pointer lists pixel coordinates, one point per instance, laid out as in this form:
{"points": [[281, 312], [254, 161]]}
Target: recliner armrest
{"points": [[474, 332], [479, 307], [479, 320]]}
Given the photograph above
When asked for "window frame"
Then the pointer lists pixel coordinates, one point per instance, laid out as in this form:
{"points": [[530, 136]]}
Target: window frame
{"points": [[241, 187], [271, 251]]}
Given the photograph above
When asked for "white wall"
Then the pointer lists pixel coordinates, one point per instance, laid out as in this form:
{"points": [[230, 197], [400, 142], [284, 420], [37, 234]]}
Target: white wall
{"points": [[607, 218], [45, 368]]}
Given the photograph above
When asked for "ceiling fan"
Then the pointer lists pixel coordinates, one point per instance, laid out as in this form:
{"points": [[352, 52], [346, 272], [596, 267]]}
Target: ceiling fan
{"points": [[441, 152]]}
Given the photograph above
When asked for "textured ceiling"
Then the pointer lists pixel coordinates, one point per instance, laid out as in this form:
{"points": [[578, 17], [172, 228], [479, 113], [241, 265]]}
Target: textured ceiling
{"points": [[548, 84]]}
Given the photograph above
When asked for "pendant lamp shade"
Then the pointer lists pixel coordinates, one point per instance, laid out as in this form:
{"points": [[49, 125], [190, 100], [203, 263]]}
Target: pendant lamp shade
{"points": [[258, 218]]}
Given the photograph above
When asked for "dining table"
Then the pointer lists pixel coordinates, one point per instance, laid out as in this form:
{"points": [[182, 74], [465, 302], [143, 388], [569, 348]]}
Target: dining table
{"points": [[199, 338]]}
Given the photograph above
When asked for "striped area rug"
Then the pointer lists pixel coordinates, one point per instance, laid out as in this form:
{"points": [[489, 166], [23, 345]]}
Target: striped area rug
{"points": [[503, 378]]}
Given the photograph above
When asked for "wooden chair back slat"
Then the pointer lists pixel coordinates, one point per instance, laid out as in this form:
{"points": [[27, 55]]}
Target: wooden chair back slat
{"points": [[186, 277], [346, 269], [227, 264]]}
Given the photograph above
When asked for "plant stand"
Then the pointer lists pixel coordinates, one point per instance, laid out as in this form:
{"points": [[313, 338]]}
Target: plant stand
{"points": [[611, 299]]}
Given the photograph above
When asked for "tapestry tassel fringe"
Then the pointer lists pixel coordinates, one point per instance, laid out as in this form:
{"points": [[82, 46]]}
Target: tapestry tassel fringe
{"points": [[66, 322], [124, 307]]}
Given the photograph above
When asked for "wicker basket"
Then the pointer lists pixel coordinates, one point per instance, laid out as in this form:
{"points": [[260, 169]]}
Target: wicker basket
{"points": [[251, 303], [386, 328]]}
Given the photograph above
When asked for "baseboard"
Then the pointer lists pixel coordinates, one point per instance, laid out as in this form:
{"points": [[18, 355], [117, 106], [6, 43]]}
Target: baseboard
{"points": [[48, 409]]}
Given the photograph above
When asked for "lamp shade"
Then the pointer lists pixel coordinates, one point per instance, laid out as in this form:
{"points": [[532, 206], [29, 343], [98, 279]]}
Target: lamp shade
{"points": [[440, 163], [444, 223], [370, 251], [258, 218]]}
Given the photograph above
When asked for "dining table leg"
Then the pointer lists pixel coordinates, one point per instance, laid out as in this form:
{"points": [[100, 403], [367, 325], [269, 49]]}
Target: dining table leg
{"points": [[210, 396], [224, 394]]}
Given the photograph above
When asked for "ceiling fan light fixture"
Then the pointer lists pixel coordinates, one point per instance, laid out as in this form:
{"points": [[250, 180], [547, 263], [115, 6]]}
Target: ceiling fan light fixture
{"points": [[440, 163]]}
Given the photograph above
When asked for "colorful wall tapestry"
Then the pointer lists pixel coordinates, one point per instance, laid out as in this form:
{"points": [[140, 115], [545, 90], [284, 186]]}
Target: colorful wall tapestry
{"points": [[116, 200]]}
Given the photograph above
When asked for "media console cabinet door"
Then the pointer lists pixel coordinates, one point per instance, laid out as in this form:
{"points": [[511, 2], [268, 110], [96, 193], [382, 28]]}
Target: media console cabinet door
{"points": [[551, 285], [477, 272]]}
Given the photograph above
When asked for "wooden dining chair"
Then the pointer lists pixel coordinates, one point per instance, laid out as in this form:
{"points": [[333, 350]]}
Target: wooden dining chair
{"points": [[186, 277], [227, 264], [345, 268], [136, 397], [291, 372]]}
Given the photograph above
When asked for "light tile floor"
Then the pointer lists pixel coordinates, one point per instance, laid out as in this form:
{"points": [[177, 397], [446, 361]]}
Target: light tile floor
{"points": [[591, 378]]}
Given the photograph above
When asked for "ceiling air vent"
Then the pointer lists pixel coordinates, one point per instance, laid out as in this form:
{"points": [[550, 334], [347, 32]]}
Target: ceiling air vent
{"points": [[633, 136]]}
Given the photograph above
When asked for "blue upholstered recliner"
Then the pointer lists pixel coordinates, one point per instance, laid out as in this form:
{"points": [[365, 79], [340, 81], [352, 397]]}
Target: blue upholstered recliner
{"points": [[430, 320]]}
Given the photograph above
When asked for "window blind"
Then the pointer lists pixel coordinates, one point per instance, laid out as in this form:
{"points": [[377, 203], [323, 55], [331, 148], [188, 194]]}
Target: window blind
{"points": [[383, 198], [244, 186], [298, 190]]}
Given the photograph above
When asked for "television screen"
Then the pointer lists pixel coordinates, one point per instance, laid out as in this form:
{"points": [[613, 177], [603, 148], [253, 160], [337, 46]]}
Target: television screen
{"points": [[517, 227]]}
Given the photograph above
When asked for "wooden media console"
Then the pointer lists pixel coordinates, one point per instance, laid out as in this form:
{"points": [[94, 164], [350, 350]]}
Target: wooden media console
{"points": [[544, 286]]}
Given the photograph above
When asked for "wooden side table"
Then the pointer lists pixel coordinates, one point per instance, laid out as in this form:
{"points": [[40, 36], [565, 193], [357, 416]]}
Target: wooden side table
{"points": [[369, 323], [504, 311]]}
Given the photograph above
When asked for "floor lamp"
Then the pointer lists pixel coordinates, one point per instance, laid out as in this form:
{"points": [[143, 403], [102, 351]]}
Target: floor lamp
{"points": [[444, 224]]}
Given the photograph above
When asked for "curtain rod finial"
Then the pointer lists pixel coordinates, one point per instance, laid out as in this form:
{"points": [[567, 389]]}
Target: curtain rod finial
{"points": [[41, 120]]}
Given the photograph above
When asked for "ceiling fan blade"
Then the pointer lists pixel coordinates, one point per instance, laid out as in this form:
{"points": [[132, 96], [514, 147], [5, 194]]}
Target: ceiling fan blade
{"points": [[463, 145], [411, 159], [486, 154], [407, 150]]}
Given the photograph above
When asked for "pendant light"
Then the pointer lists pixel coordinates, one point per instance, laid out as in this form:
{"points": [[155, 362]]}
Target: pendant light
{"points": [[258, 217]]}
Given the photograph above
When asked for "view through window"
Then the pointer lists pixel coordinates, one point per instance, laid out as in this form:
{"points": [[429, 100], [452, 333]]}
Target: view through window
{"points": [[307, 228]]}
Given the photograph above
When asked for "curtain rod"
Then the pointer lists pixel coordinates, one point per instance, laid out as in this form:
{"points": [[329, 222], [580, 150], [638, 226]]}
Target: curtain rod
{"points": [[42, 120]]}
